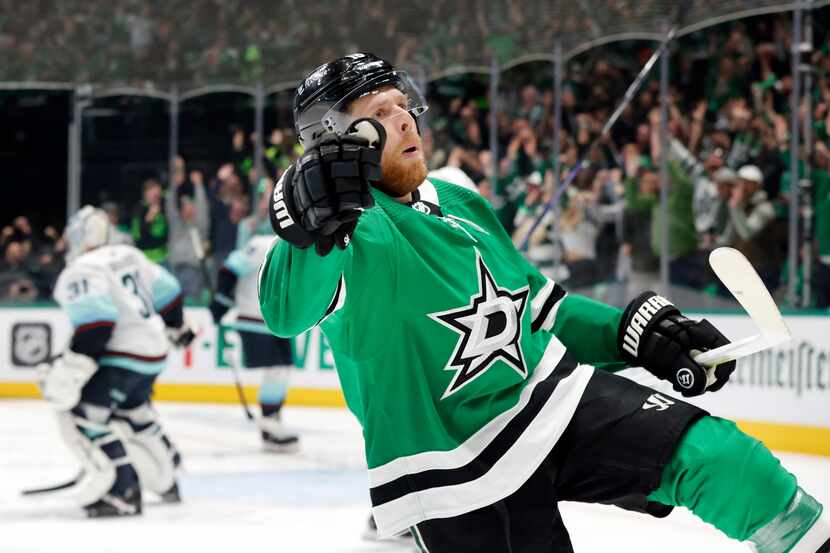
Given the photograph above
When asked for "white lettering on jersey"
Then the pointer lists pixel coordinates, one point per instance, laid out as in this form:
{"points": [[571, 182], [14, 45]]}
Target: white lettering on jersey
{"points": [[279, 207], [644, 314], [657, 401]]}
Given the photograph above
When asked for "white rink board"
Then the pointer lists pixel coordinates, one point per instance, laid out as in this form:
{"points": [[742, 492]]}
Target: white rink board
{"points": [[787, 385], [205, 362]]}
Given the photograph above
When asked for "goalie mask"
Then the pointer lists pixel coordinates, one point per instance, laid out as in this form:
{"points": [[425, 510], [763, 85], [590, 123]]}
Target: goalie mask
{"points": [[322, 101], [89, 228]]}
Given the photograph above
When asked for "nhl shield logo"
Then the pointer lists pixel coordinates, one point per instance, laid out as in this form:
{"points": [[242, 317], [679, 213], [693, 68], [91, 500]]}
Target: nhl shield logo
{"points": [[31, 344]]}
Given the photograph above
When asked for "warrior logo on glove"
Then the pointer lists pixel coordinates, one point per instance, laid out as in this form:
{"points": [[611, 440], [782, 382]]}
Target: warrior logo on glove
{"points": [[644, 314], [686, 378], [655, 335]]}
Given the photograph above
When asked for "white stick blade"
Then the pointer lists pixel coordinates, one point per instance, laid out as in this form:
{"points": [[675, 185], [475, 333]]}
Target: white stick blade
{"points": [[740, 278]]}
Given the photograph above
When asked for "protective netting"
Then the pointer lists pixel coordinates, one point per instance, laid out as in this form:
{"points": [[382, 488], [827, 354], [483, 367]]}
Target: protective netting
{"points": [[261, 41]]}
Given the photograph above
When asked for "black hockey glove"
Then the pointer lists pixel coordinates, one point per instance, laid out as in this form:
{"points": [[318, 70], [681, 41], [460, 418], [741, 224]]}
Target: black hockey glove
{"points": [[320, 197], [182, 336], [219, 305], [655, 335], [223, 297]]}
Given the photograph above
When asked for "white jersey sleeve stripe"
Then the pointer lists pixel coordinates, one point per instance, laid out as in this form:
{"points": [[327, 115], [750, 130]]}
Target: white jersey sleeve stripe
{"points": [[539, 299], [549, 321], [337, 301], [545, 306]]}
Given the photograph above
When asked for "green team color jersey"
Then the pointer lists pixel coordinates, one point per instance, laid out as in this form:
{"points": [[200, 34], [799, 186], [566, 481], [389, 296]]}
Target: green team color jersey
{"points": [[449, 346]]}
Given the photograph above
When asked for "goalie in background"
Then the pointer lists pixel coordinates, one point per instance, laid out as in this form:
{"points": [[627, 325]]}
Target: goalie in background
{"points": [[237, 286], [123, 308]]}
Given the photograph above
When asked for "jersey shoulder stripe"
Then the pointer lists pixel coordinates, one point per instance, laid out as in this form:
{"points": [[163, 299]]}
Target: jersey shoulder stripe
{"points": [[545, 305], [337, 302]]}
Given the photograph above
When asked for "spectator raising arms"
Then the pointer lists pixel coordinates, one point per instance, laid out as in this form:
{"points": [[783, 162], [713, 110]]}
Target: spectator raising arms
{"points": [[149, 224], [187, 214]]}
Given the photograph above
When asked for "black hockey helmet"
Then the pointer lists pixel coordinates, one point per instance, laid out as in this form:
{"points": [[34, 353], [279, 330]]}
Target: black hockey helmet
{"points": [[322, 99]]}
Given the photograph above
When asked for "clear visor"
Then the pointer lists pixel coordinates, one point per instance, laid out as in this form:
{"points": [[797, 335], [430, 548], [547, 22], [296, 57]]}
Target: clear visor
{"points": [[387, 97]]}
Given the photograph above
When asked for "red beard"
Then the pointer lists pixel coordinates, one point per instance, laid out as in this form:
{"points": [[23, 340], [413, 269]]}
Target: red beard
{"points": [[400, 179]]}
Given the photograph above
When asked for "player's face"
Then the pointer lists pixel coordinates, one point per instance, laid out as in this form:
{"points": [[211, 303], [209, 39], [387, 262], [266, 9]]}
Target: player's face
{"points": [[403, 165]]}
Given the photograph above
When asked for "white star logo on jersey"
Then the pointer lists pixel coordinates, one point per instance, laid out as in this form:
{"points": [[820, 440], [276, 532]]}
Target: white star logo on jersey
{"points": [[490, 328]]}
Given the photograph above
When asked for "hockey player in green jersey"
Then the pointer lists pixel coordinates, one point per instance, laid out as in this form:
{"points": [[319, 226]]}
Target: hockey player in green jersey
{"points": [[485, 392]]}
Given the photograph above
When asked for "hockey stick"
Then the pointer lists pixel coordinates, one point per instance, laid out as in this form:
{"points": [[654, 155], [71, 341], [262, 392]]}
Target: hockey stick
{"points": [[200, 255], [740, 278], [54, 488], [237, 380], [633, 88]]}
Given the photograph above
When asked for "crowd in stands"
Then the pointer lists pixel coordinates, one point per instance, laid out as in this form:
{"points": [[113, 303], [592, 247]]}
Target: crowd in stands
{"points": [[245, 42], [728, 161], [159, 43], [194, 225], [728, 166], [194, 217]]}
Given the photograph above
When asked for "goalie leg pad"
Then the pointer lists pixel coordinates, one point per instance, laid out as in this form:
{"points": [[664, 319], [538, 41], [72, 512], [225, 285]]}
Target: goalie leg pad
{"points": [[150, 451], [104, 461]]}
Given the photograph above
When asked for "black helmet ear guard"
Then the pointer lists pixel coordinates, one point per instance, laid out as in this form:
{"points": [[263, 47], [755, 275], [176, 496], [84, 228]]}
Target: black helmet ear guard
{"points": [[322, 100]]}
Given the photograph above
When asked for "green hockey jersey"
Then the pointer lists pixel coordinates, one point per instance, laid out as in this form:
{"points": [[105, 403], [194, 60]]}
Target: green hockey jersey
{"points": [[449, 346]]}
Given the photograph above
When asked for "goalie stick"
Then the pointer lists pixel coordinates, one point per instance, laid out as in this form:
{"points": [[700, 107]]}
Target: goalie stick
{"points": [[54, 488], [740, 278]]}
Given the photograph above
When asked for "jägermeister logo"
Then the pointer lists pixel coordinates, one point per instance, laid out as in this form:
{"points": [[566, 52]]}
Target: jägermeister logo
{"points": [[489, 329]]}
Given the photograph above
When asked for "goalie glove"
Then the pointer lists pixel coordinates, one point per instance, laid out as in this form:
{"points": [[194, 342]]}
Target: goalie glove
{"points": [[655, 335], [61, 380], [319, 199]]}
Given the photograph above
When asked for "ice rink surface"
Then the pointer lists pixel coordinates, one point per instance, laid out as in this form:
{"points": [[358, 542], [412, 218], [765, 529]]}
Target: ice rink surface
{"points": [[237, 498]]}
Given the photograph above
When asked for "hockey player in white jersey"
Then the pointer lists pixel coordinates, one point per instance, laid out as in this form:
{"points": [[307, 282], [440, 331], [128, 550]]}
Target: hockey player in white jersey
{"points": [[123, 309], [237, 286]]}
